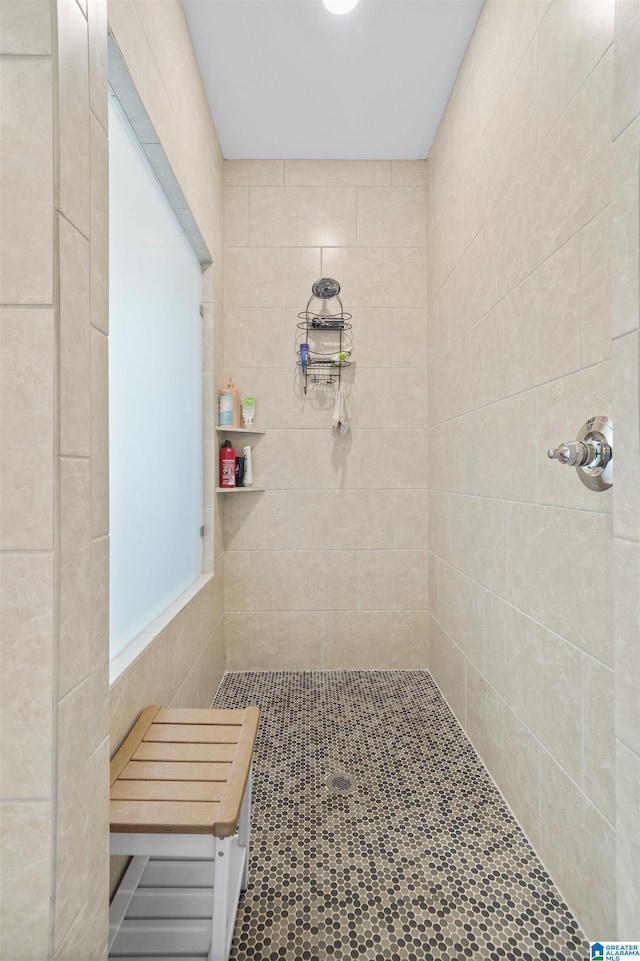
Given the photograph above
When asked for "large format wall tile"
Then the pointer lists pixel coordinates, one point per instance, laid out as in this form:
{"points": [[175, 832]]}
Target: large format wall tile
{"points": [[99, 641], [461, 611], [628, 842], [74, 812], [538, 673], [477, 282], [287, 640], [410, 348], [378, 276], [26, 180], [595, 289], [410, 519], [99, 255], [99, 434], [542, 573], [243, 173], [566, 183], [507, 747], [304, 580], [478, 540], [409, 173], [26, 249], [599, 736], [368, 459], [75, 342], [391, 216], [447, 666], [571, 39], [511, 474], [353, 519], [26, 123], [269, 276], [626, 246], [250, 521], [25, 827], [565, 813], [337, 173], [534, 335], [73, 110], [302, 216], [506, 146], [627, 440], [627, 642], [75, 572], [236, 216], [626, 94], [289, 459], [25, 28], [383, 640], [392, 580], [27, 429], [26, 673], [391, 398]]}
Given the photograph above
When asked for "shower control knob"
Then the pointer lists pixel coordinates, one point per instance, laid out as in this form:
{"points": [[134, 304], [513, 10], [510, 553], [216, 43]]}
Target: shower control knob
{"points": [[576, 454], [591, 454]]}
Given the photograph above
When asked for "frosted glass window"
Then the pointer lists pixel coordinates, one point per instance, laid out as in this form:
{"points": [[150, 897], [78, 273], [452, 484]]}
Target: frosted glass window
{"points": [[155, 393]]}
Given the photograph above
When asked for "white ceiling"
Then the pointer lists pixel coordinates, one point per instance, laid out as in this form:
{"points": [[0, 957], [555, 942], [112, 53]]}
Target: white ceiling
{"points": [[286, 79]]}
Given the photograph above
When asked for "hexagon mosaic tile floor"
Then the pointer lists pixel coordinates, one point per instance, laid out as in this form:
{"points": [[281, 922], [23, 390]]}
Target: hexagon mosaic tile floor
{"points": [[422, 861]]}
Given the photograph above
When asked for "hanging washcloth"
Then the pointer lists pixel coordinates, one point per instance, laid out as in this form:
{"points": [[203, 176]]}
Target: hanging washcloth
{"points": [[341, 413]]}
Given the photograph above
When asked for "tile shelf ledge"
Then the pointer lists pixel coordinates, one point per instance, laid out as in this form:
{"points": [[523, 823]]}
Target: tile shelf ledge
{"points": [[238, 430], [238, 490]]}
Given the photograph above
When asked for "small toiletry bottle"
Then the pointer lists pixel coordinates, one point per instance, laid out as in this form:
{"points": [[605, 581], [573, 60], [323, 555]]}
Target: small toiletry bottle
{"points": [[225, 408], [235, 402], [248, 411], [248, 472], [304, 357]]}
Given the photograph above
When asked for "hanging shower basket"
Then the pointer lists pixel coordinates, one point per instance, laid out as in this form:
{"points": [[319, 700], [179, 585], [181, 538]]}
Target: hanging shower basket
{"points": [[323, 367]]}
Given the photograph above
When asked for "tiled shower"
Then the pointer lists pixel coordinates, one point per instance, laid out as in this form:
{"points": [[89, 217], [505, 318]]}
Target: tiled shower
{"points": [[488, 325]]}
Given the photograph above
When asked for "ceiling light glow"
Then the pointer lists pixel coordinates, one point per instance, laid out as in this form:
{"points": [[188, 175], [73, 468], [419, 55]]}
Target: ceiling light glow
{"points": [[340, 6]]}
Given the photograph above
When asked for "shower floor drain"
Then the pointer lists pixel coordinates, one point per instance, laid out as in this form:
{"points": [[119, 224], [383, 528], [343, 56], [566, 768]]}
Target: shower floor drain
{"points": [[341, 783]]}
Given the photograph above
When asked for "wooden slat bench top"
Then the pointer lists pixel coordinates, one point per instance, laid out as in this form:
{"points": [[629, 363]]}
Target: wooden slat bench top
{"points": [[183, 771]]}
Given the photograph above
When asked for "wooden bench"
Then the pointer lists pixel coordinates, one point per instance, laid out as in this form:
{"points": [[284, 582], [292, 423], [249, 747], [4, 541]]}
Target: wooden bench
{"points": [[181, 805]]}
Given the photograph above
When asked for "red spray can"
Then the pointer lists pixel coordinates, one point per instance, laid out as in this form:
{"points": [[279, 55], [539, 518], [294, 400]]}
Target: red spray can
{"points": [[227, 465]]}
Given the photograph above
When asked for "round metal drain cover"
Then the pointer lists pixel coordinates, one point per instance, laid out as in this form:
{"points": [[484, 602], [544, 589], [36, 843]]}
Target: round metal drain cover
{"points": [[341, 783]]}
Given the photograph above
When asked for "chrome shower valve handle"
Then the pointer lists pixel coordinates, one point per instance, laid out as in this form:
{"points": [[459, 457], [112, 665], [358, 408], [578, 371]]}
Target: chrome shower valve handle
{"points": [[591, 454], [577, 453]]}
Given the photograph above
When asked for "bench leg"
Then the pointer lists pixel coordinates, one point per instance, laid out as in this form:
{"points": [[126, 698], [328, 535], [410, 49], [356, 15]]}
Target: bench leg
{"points": [[244, 827], [221, 883]]}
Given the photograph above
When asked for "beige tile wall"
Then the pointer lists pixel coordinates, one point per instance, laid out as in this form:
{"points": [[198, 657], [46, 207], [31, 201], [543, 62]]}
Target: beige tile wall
{"points": [[183, 665], [328, 567], [626, 502], [520, 289], [54, 723]]}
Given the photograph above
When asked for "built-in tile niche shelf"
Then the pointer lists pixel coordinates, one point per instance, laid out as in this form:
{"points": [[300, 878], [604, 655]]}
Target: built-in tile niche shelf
{"points": [[238, 430], [239, 490]]}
